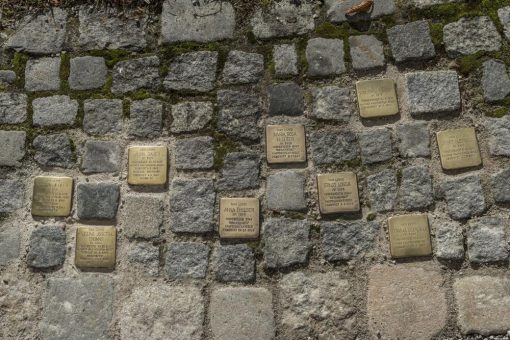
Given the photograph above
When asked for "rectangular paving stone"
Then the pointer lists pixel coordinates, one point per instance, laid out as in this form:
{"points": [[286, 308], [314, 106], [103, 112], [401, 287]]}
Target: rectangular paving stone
{"points": [[13, 108], [9, 243], [464, 197], [470, 35], [332, 103], [240, 171], [146, 118], [429, 3], [238, 115], [486, 239], [286, 242], [242, 68], [234, 263], [144, 256], [283, 19], [285, 60], [54, 150], [13, 147], [7, 77], [499, 136], [12, 194], [333, 146], [342, 241], [42, 74], [449, 240], [194, 71], [382, 190], [47, 247], [87, 73], [54, 110], [196, 153], [367, 52], [501, 186], [187, 260], [411, 42], [101, 157], [325, 57], [285, 99], [191, 116], [413, 139], [102, 116], [135, 74], [504, 18], [286, 191], [495, 81], [376, 145], [416, 188], [336, 11], [97, 200], [142, 216]]}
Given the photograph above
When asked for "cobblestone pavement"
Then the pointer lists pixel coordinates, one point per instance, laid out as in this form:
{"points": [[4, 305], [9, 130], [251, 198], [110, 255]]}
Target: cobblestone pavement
{"points": [[80, 87]]}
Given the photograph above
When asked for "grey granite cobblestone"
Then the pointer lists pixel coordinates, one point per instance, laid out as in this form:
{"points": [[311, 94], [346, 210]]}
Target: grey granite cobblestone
{"points": [[9, 243], [449, 240], [13, 147], [240, 171], [234, 263], [499, 136], [283, 19], [53, 150], [382, 190], [191, 116], [47, 247], [416, 188], [336, 11], [186, 260], [87, 73], [54, 110], [135, 74], [243, 68], [501, 186], [335, 146], [195, 153], [142, 216], [367, 52], [376, 145], [146, 118], [325, 57], [411, 42], [286, 191], [487, 240], [464, 196], [102, 116], [194, 71], [413, 139], [495, 81], [145, 256], [101, 156], [285, 99], [12, 195], [285, 60], [333, 103], [471, 35], [238, 114], [97, 200], [13, 108], [342, 241], [42, 74], [286, 242]]}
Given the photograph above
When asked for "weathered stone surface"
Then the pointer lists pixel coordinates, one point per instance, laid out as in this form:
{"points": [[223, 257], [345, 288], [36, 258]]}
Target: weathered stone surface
{"points": [[196, 153], [12, 194], [191, 116], [464, 196], [242, 313], [285, 60], [449, 240], [499, 136], [382, 190], [238, 115], [309, 309], [186, 260], [40, 34], [342, 241], [411, 42], [9, 244], [495, 81], [142, 216], [413, 139], [135, 74], [54, 110], [243, 68], [146, 118], [47, 247], [102, 116], [335, 146], [501, 186], [325, 57], [416, 188], [286, 191], [87, 73], [240, 171], [283, 19], [332, 103], [13, 108], [375, 145], [486, 239], [192, 205], [234, 263], [483, 302], [101, 156], [97, 200], [77, 308], [105, 30], [181, 20], [7, 77], [13, 147], [504, 18], [429, 3], [402, 295], [53, 150], [367, 52], [286, 242], [432, 92], [285, 99], [159, 311], [42, 74], [194, 71], [471, 35], [145, 256], [336, 10]]}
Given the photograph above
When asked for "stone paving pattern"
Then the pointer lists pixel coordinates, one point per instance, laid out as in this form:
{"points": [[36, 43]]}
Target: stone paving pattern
{"points": [[79, 86]]}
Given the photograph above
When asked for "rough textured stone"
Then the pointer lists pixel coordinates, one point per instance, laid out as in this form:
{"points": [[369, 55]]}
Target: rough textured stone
{"points": [[432, 92], [495, 81], [181, 20], [149, 312], [87, 73], [382, 190], [286, 191], [471, 35], [486, 239], [191, 116], [47, 247], [429, 3], [413, 139], [375, 145], [13, 108], [146, 118], [483, 302], [335, 146], [54, 110], [192, 205], [97, 200], [416, 188], [286, 242], [146, 257], [12, 194], [13, 147], [367, 52], [53, 150], [283, 19], [7, 77], [102, 116], [464, 196], [449, 240], [195, 153], [194, 71], [77, 308], [342, 241], [243, 68], [142, 216], [310, 309], [234, 263], [40, 34], [411, 42], [285, 60], [336, 10], [240, 171], [325, 57], [185, 260], [285, 99], [499, 136], [504, 18], [501, 186], [101, 156], [42, 74], [333, 103], [9, 244], [238, 115], [135, 74]]}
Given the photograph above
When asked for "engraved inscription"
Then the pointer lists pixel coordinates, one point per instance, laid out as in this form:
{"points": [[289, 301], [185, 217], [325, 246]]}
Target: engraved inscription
{"points": [[95, 247], [409, 236], [285, 143], [338, 192], [239, 218], [147, 165], [458, 148], [52, 196], [377, 98]]}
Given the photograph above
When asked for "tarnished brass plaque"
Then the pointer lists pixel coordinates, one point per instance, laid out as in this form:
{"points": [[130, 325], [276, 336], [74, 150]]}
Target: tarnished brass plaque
{"points": [[147, 165], [285, 144], [239, 218], [377, 98], [95, 247], [458, 148], [409, 236], [52, 196], [338, 192]]}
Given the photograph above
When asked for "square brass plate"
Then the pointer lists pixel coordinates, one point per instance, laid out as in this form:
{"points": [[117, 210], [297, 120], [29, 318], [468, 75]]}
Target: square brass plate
{"points": [[52, 196], [458, 148], [409, 236], [147, 165], [338, 192], [95, 247], [285, 144], [377, 98], [239, 218]]}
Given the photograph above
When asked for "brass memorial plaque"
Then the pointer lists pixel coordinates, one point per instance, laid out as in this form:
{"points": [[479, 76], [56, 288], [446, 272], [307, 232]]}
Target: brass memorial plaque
{"points": [[285, 144], [458, 148], [147, 165], [52, 196], [377, 98], [239, 218], [338, 192], [409, 236], [95, 247]]}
